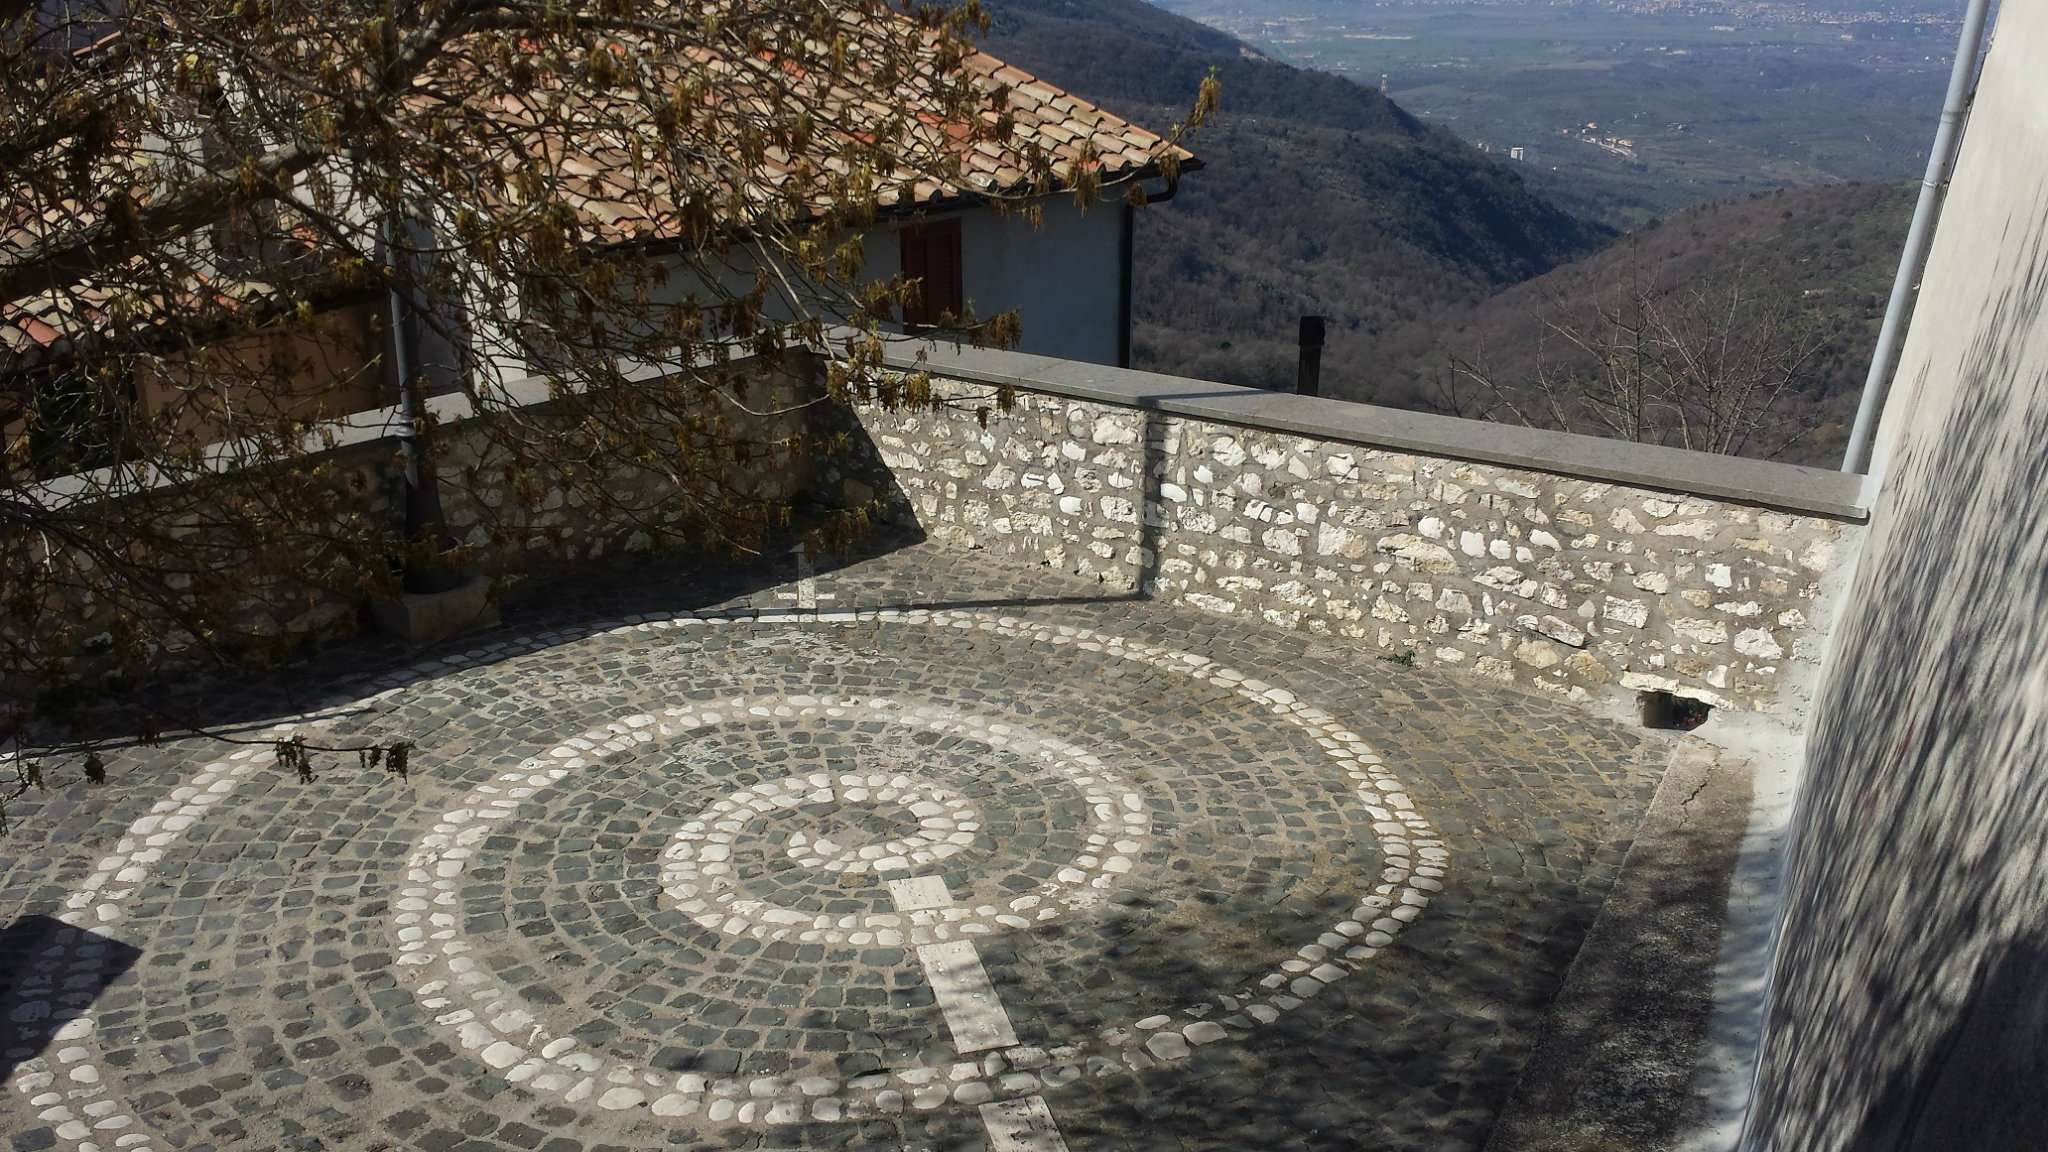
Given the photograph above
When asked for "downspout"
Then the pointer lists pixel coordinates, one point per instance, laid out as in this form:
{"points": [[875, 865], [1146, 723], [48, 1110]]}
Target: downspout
{"points": [[1126, 290], [1126, 259], [1919, 238], [401, 367], [423, 523]]}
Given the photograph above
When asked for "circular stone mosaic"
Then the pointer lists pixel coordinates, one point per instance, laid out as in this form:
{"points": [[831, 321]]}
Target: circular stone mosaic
{"points": [[703, 908], [700, 873], [945, 825]]}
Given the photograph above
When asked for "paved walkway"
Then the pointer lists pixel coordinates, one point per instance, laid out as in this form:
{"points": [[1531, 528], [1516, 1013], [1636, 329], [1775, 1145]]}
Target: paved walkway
{"points": [[915, 853]]}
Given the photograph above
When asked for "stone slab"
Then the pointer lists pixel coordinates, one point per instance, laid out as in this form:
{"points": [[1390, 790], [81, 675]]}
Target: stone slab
{"points": [[973, 1010], [1023, 1125], [423, 618], [918, 893], [1614, 1070]]}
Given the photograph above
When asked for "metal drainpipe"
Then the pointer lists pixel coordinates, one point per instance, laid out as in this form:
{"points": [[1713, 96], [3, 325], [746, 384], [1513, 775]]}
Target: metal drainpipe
{"points": [[1126, 271], [1126, 262], [1919, 238], [422, 496], [401, 367]]}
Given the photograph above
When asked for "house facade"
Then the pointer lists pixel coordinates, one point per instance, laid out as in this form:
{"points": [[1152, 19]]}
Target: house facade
{"points": [[996, 237], [1067, 276], [1065, 270]]}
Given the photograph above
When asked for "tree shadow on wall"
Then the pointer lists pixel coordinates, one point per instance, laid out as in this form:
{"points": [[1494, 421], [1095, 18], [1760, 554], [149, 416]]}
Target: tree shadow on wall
{"points": [[1150, 511], [50, 974], [1998, 1048], [1918, 840], [1151, 514]]}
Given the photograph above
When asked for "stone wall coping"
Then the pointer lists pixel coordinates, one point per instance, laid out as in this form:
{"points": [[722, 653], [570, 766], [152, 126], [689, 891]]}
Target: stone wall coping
{"points": [[1763, 483], [355, 430]]}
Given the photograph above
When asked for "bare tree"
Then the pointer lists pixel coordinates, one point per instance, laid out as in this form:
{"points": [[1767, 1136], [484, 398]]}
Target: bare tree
{"points": [[209, 211], [1709, 366]]}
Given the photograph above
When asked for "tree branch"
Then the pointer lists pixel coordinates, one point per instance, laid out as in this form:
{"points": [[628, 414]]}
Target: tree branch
{"points": [[112, 240]]}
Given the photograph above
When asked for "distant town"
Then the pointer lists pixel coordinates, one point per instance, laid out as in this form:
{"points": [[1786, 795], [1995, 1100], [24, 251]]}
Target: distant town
{"points": [[1628, 110], [1738, 12]]}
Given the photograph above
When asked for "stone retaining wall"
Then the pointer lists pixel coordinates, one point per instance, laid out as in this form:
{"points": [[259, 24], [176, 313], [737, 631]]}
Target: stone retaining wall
{"points": [[514, 542], [1518, 575], [1515, 573], [567, 532]]}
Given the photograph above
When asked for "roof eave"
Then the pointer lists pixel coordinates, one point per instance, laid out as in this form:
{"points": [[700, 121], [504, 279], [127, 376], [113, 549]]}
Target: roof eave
{"points": [[656, 244], [1190, 163]]}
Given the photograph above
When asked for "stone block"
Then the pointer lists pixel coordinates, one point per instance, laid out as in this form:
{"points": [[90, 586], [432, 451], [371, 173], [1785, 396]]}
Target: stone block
{"points": [[422, 618]]}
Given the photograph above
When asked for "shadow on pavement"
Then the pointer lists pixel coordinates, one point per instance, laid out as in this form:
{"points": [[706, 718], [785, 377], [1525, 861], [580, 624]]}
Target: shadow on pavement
{"points": [[42, 961]]}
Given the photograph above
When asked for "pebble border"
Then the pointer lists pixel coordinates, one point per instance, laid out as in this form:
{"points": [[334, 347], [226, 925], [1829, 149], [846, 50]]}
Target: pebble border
{"points": [[697, 875]]}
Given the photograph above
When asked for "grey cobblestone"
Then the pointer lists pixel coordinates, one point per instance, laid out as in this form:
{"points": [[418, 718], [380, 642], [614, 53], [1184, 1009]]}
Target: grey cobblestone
{"points": [[1325, 908]]}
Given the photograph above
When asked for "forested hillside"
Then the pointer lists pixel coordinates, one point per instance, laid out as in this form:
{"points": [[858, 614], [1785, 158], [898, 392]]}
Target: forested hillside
{"points": [[1830, 252], [1318, 196], [1321, 196]]}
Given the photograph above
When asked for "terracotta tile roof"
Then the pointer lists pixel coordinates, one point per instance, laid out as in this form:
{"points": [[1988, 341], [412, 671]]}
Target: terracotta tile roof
{"points": [[1061, 123], [46, 318], [43, 320], [621, 199]]}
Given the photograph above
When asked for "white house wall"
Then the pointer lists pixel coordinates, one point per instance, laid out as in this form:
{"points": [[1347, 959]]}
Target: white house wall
{"points": [[1062, 278]]}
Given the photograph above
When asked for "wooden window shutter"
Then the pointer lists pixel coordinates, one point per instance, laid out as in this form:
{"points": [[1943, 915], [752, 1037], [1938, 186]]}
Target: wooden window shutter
{"points": [[931, 255], [914, 268]]}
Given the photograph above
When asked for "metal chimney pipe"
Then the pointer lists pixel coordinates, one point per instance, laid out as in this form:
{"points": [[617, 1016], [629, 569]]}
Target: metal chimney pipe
{"points": [[1919, 238], [1308, 373]]}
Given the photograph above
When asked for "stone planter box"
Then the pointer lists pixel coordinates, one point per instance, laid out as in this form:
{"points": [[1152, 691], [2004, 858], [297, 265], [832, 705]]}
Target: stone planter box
{"points": [[422, 618]]}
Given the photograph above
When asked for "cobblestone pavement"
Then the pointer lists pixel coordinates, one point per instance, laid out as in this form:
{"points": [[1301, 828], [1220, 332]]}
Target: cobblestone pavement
{"points": [[915, 852]]}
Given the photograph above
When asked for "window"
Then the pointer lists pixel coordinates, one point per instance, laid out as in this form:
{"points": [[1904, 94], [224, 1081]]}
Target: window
{"points": [[77, 420], [931, 255]]}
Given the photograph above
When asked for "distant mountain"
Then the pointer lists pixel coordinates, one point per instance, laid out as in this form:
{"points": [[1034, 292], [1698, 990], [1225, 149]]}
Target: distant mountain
{"points": [[1318, 196], [1831, 250]]}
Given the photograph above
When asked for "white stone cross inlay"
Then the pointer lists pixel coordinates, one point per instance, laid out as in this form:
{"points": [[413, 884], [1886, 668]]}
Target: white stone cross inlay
{"points": [[974, 1013], [806, 594]]}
